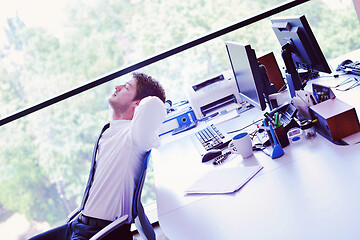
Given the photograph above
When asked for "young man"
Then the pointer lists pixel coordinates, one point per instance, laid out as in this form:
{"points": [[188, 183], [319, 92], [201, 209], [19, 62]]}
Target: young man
{"points": [[136, 113]]}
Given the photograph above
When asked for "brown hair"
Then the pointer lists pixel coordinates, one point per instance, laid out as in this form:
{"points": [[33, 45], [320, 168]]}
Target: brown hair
{"points": [[147, 86]]}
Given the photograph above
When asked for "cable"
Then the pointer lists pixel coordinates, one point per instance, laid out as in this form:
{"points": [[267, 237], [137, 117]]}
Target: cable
{"points": [[244, 127]]}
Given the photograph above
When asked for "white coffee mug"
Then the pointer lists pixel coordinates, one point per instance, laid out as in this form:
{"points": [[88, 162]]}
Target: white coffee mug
{"points": [[242, 144]]}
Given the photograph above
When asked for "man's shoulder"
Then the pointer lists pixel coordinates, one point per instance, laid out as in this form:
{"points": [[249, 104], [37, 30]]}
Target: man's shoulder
{"points": [[151, 100], [153, 105]]}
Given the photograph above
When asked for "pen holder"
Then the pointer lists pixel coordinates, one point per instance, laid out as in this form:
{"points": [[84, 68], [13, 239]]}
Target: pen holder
{"points": [[281, 135]]}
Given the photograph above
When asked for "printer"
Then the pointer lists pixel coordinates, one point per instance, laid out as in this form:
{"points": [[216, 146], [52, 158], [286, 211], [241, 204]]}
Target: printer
{"points": [[213, 94]]}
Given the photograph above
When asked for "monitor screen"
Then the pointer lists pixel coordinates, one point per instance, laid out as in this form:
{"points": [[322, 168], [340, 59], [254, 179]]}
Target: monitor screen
{"points": [[300, 49], [246, 72]]}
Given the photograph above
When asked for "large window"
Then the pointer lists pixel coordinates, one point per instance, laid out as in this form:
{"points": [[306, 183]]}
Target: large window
{"points": [[47, 48]]}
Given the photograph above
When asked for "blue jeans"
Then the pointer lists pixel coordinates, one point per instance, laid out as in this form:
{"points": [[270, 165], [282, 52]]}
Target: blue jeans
{"points": [[79, 231]]}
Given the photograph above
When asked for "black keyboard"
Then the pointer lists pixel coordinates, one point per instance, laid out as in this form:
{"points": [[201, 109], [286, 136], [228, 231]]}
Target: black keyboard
{"points": [[211, 138], [351, 67]]}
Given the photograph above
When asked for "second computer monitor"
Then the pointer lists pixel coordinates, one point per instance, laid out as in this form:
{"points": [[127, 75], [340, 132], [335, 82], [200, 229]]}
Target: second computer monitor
{"points": [[300, 50], [246, 72]]}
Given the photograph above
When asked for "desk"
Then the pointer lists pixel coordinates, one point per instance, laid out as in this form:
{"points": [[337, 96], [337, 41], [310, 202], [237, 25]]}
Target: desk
{"points": [[309, 193]]}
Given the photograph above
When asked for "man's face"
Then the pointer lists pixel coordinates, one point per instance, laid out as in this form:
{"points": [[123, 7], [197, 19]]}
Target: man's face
{"points": [[123, 96]]}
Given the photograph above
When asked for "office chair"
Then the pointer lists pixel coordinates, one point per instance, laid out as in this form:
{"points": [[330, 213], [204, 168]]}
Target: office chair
{"points": [[141, 221]]}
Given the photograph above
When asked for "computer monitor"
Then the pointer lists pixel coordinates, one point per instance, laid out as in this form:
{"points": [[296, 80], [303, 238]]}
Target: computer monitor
{"points": [[251, 79], [300, 50]]}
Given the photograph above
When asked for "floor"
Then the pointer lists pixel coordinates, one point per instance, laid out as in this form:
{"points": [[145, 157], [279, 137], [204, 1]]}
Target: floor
{"points": [[159, 235]]}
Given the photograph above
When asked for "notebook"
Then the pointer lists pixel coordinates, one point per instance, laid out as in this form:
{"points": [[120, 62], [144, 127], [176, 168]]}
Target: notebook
{"points": [[225, 180]]}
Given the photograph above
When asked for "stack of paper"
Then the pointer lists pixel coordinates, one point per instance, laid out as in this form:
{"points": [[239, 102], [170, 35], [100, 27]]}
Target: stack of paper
{"points": [[226, 180]]}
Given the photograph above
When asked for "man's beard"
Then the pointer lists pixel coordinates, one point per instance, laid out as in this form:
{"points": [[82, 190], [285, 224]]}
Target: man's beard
{"points": [[119, 108]]}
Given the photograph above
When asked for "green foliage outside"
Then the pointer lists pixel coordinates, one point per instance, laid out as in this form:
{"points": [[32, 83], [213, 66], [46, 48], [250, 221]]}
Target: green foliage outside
{"points": [[45, 157]]}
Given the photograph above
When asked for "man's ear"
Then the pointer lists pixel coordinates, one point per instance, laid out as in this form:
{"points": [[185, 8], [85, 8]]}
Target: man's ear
{"points": [[136, 103]]}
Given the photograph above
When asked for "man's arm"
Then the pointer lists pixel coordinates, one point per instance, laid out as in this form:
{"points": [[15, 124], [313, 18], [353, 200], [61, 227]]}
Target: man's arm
{"points": [[148, 117]]}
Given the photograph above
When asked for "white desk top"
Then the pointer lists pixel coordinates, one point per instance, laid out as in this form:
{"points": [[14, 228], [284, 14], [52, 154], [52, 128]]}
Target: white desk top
{"points": [[309, 193]]}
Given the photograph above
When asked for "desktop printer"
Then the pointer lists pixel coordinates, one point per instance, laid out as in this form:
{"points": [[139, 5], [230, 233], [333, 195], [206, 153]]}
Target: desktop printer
{"points": [[213, 94]]}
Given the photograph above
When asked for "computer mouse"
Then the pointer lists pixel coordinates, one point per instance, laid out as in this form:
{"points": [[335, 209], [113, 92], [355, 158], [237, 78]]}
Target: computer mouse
{"points": [[211, 154]]}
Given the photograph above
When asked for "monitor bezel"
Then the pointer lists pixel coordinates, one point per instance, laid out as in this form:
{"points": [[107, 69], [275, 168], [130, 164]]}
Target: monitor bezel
{"points": [[255, 72]]}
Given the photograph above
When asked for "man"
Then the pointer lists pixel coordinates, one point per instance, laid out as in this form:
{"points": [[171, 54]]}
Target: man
{"points": [[136, 113]]}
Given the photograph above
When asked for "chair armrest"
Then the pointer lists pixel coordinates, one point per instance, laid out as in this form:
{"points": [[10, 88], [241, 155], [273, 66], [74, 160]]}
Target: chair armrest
{"points": [[106, 230], [73, 214]]}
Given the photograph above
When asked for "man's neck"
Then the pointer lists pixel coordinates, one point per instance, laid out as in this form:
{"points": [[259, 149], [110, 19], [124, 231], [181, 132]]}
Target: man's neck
{"points": [[121, 116]]}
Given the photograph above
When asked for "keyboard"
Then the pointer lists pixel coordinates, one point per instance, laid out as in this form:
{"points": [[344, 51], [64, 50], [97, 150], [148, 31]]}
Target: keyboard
{"points": [[351, 67], [211, 138]]}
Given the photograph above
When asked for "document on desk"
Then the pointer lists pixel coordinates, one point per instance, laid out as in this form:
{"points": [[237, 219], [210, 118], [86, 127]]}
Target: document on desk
{"points": [[226, 180]]}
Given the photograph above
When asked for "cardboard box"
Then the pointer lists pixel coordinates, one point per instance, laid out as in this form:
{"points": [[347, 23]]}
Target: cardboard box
{"points": [[336, 119]]}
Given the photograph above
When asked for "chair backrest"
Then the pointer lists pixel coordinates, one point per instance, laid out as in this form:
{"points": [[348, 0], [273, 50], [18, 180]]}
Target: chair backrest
{"points": [[142, 223]]}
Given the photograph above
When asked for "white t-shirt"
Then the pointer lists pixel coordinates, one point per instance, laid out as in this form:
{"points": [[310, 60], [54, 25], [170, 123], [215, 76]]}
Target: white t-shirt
{"points": [[121, 151]]}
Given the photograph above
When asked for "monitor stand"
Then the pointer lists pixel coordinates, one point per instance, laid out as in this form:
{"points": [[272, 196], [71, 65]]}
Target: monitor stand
{"points": [[292, 76]]}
